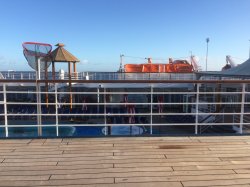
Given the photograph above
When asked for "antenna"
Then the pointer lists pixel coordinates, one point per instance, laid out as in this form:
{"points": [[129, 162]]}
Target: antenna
{"points": [[207, 40], [121, 63]]}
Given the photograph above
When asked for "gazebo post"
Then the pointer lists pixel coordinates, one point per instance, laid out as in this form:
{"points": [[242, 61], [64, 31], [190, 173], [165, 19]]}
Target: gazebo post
{"points": [[53, 70], [75, 75]]}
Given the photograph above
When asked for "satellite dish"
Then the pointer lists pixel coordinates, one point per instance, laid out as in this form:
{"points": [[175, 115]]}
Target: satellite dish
{"points": [[37, 53]]}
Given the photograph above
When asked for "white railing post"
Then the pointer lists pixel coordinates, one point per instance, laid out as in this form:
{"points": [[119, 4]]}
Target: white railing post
{"points": [[56, 105], [223, 116], [197, 108], [98, 100], [38, 107], [242, 107], [5, 111], [151, 110], [105, 112]]}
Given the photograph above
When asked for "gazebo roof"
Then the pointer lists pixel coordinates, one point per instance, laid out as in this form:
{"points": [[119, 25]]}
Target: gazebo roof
{"points": [[62, 55]]}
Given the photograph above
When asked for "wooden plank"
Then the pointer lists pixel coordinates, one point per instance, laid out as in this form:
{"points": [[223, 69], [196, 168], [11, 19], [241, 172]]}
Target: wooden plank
{"points": [[212, 167], [30, 156], [130, 139], [172, 164], [207, 159], [185, 152], [141, 161], [240, 162], [181, 143], [125, 161], [204, 156], [31, 150], [236, 185], [6, 149], [65, 170], [88, 158], [242, 170], [86, 145], [142, 174], [229, 148], [54, 140], [34, 153], [148, 184], [219, 138], [3, 151], [184, 178], [52, 167], [28, 164], [57, 182], [247, 158], [14, 141], [129, 151], [232, 182], [37, 141], [21, 177]]}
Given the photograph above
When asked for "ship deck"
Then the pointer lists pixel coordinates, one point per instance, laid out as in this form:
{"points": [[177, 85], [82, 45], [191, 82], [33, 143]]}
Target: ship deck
{"points": [[122, 161]]}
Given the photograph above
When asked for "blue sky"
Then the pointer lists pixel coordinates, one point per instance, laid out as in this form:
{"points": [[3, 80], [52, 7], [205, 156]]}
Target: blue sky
{"points": [[98, 31]]}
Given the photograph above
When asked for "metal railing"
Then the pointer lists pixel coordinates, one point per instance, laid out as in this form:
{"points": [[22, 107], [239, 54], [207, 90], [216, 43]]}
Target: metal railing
{"points": [[12, 75], [148, 107]]}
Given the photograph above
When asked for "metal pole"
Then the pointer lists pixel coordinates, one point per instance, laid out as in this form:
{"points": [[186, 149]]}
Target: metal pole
{"points": [[207, 40], [151, 110], [98, 100], [38, 99], [121, 63], [56, 107], [242, 107], [197, 108], [46, 84], [70, 86], [5, 111], [38, 106], [105, 112]]}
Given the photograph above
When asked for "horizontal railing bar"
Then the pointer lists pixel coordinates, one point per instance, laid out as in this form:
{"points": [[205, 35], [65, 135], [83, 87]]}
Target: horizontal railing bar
{"points": [[129, 103], [132, 124], [122, 93], [121, 114], [148, 81]]}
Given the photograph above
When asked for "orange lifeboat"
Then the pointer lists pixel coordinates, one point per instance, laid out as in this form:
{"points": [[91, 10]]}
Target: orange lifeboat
{"points": [[133, 68], [177, 66]]}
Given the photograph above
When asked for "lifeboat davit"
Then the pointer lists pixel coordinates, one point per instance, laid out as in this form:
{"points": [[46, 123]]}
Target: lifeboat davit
{"points": [[176, 66]]}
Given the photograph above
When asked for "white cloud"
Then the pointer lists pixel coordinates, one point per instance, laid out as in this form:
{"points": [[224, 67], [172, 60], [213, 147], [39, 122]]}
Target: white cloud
{"points": [[84, 62]]}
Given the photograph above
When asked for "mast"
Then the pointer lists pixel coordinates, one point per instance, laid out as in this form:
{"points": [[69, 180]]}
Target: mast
{"points": [[121, 63]]}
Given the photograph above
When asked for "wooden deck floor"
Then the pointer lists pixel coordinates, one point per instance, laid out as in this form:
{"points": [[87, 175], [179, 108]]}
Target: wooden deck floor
{"points": [[111, 162]]}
